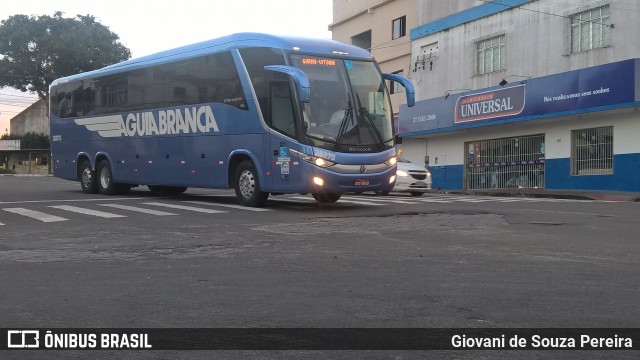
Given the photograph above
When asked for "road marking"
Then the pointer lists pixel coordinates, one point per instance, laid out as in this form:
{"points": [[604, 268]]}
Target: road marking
{"points": [[84, 211], [436, 200], [228, 205], [341, 201], [572, 213], [138, 209], [68, 200], [182, 207], [396, 201], [35, 215]]}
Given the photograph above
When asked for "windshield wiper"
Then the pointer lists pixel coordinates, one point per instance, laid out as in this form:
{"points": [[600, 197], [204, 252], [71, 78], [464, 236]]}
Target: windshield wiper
{"points": [[365, 113], [343, 124]]}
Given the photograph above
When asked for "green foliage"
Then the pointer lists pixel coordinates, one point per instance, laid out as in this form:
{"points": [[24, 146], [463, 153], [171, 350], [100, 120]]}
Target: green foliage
{"points": [[35, 50], [30, 140]]}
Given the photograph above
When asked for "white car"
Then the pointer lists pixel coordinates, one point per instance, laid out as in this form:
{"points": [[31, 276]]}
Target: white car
{"points": [[410, 178]]}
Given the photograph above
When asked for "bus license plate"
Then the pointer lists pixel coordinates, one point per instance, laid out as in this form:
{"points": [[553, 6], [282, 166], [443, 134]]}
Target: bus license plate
{"points": [[362, 182]]}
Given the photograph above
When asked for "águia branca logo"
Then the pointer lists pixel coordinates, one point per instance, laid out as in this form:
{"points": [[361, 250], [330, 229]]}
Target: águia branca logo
{"points": [[147, 123]]}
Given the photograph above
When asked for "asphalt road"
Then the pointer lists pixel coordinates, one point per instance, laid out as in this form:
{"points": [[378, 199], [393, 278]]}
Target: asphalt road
{"points": [[197, 260]]}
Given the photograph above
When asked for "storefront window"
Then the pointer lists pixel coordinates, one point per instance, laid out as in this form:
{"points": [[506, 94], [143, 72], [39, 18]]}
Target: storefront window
{"points": [[592, 151]]}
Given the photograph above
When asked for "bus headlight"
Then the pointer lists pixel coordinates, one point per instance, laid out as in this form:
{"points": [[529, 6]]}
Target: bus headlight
{"points": [[317, 161], [392, 161]]}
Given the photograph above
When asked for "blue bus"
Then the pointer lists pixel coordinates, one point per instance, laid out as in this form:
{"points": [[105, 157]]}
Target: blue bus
{"points": [[258, 113]]}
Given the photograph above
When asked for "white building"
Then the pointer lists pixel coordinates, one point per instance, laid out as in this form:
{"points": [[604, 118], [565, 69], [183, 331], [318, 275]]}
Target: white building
{"points": [[517, 93], [382, 27]]}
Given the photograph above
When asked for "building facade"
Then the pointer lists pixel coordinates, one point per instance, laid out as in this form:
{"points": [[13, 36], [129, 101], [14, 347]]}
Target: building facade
{"points": [[526, 94], [382, 27], [32, 119]]}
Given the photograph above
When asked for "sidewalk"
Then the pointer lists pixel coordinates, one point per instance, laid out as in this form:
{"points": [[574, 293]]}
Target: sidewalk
{"points": [[557, 194]]}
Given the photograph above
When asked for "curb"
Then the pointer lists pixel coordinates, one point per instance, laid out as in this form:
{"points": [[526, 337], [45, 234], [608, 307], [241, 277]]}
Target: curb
{"points": [[589, 196], [26, 175]]}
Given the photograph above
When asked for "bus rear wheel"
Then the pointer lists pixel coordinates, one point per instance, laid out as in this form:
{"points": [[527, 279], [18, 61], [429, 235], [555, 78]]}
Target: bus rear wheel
{"points": [[247, 185], [88, 178], [326, 198], [106, 186]]}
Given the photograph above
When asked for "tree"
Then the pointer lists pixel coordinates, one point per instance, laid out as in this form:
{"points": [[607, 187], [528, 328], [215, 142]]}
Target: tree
{"points": [[35, 50], [30, 140]]}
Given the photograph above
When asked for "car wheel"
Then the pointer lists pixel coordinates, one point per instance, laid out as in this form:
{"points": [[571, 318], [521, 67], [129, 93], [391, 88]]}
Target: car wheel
{"points": [[88, 178], [247, 185], [326, 198]]}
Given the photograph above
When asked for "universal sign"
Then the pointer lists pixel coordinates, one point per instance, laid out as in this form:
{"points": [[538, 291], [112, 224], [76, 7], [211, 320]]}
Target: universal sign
{"points": [[490, 104]]}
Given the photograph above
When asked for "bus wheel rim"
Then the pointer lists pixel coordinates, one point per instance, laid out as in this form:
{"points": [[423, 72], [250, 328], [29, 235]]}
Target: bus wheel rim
{"points": [[105, 178], [247, 184], [86, 177]]}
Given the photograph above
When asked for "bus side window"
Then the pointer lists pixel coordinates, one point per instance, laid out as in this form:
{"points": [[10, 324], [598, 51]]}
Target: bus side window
{"points": [[281, 107]]}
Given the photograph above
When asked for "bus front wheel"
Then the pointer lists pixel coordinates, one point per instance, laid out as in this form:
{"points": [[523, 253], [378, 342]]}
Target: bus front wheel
{"points": [[106, 186], [88, 180], [326, 198], [247, 185]]}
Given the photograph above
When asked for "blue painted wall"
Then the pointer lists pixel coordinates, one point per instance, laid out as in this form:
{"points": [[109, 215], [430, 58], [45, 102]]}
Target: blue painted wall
{"points": [[625, 177], [447, 177]]}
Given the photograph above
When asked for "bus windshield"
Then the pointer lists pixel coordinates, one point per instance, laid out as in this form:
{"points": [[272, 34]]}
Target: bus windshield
{"points": [[349, 106]]}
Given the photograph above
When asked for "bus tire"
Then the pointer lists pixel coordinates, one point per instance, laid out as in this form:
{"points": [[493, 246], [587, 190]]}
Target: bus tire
{"points": [[247, 185], [326, 198], [106, 186], [88, 178]]}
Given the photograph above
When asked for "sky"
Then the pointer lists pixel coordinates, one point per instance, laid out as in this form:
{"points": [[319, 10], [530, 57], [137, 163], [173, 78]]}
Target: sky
{"points": [[147, 27]]}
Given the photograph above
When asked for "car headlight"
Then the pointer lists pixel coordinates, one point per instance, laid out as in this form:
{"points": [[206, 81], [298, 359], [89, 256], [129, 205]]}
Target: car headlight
{"points": [[428, 174], [402, 173], [317, 161]]}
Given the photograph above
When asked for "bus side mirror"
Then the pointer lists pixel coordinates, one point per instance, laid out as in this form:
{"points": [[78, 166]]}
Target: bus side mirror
{"points": [[408, 87], [299, 77]]}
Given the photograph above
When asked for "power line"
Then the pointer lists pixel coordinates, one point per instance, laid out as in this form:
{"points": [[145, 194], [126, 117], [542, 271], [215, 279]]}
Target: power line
{"points": [[532, 10], [18, 96]]}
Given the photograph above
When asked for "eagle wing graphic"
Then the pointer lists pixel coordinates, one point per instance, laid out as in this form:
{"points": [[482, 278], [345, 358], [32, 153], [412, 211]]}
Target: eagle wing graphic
{"points": [[106, 126]]}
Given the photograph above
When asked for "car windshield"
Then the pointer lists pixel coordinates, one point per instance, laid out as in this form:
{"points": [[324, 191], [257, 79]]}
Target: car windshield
{"points": [[349, 104]]}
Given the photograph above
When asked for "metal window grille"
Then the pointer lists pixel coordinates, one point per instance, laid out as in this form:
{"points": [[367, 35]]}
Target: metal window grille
{"points": [[590, 29], [517, 162], [592, 151], [490, 55]]}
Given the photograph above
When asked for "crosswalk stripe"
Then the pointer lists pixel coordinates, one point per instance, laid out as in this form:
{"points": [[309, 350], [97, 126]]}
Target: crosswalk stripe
{"points": [[385, 200], [35, 215], [182, 207], [228, 205], [342, 201], [84, 211], [138, 209]]}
